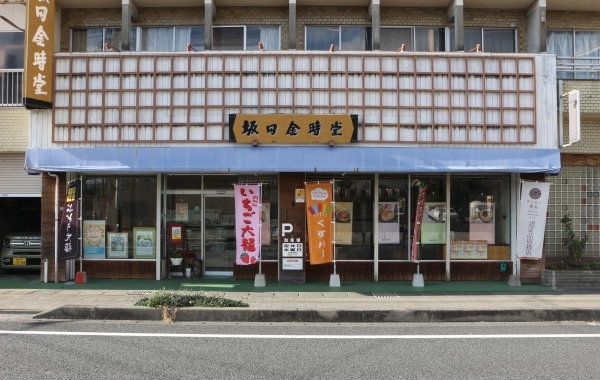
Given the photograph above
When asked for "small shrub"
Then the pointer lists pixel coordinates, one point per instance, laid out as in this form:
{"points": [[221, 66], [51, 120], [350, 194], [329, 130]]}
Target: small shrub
{"points": [[190, 299], [575, 245], [169, 302]]}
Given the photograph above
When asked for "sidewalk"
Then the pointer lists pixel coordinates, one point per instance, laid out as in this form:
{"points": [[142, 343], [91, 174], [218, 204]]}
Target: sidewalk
{"points": [[391, 301]]}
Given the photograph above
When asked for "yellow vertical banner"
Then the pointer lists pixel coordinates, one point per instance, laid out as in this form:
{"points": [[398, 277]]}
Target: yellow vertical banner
{"points": [[39, 53], [318, 217]]}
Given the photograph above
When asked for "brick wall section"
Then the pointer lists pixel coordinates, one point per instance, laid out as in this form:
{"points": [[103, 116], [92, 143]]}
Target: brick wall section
{"points": [[589, 93], [14, 129], [572, 20]]}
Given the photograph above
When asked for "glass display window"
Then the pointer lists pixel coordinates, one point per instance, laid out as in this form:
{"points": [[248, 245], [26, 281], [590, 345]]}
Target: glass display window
{"points": [[113, 210]]}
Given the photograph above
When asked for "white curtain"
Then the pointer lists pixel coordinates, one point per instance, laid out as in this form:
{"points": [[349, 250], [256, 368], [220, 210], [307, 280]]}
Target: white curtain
{"points": [[561, 44], [269, 36], [157, 39], [182, 38], [587, 44]]}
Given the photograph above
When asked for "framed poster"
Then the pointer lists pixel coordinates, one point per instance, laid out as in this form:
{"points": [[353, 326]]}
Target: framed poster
{"points": [[117, 245], [94, 239], [144, 242], [176, 233]]}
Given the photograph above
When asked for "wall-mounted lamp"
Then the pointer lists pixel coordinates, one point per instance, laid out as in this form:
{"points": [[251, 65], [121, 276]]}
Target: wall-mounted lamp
{"points": [[331, 143], [255, 143]]}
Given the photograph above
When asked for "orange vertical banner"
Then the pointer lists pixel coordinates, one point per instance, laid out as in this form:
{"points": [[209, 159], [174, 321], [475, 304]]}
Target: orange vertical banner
{"points": [[318, 217]]}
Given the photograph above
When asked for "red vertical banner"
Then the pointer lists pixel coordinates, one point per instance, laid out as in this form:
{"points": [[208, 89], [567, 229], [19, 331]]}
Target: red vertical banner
{"points": [[318, 217], [414, 253], [247, 224]]}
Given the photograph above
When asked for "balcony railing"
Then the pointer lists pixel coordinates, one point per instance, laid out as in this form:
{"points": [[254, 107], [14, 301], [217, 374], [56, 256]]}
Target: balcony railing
{"points": [[578, 68], [11, 87]]}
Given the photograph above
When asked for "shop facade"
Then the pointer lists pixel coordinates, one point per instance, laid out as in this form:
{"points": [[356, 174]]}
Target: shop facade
{"points": [[151, 136]]}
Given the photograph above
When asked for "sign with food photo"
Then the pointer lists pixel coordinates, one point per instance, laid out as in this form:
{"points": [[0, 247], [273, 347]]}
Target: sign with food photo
{"points": [[343, 223], [389, 225], [482, 221], [93, 239], [433, 229], [144, 242]]}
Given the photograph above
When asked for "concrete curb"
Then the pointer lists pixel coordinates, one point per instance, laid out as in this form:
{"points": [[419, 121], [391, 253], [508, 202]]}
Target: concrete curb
{"points": [[341, 316]]}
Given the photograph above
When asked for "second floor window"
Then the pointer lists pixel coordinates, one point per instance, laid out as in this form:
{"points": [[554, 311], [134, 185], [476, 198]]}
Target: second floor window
{"points": [[171, 38], [12, 50], [353, 38], [245, 37], [93, 39], [492, 40], [571, 48], [413, 38]]}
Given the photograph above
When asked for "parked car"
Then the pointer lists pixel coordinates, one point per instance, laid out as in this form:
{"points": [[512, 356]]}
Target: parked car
{"points": [[22, 245]]}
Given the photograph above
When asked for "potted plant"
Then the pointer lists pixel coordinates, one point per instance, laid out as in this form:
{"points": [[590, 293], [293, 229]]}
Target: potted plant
{"points": [[188, 270], [176, 258], [575, 245]]}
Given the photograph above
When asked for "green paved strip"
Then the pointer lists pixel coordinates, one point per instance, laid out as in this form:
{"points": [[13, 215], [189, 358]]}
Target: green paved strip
{"points": [[227, 284]]}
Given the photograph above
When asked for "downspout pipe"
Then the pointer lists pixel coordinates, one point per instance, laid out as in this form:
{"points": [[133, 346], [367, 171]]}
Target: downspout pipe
{"points": [[55, 225]]}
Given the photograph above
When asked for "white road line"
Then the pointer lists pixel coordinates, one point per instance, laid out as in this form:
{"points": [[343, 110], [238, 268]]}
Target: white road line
{"points": [[241, 336]]}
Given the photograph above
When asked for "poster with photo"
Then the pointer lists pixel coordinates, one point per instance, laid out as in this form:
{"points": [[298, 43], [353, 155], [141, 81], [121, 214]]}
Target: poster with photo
{"points": [[94, 235], [144, 242], [482, 225], [181, 212], [343, 223], [433, 228], [117, 245], [389, 223]]}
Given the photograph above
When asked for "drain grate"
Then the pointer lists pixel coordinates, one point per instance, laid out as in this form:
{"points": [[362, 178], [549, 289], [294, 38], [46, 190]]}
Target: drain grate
{"points": [[139, 293], [385, 295]]}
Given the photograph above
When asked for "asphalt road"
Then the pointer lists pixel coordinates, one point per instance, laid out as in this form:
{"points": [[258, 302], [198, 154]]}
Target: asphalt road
{"points": [[144, 350]]}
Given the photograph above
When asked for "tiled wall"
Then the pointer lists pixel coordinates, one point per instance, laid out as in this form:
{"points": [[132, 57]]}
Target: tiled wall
{"points": [[14, 129], [576, 192]]}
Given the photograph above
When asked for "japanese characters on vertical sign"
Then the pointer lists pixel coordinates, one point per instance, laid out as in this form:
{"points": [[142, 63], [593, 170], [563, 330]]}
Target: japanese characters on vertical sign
{"points": [[532, 219], [414, 253], [293, 128], [39, 50], [319, 220], [247, 224], [68, 247]]}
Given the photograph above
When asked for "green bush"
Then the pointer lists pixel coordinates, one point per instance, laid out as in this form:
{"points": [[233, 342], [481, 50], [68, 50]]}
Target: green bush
{"points": [[173, 299], [575, 245]]}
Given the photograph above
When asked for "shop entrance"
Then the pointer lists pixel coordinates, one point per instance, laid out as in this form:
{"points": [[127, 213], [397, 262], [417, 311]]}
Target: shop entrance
{"points": [[219, 234], [208, 220]]}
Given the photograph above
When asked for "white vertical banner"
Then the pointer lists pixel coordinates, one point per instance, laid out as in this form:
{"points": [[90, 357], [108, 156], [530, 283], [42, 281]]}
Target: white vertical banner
{"points": [[531, 223], [247, 224]]}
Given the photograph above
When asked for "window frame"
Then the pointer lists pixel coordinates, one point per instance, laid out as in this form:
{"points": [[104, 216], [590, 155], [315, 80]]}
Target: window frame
{"points": [[339, 43], [245, 30]]}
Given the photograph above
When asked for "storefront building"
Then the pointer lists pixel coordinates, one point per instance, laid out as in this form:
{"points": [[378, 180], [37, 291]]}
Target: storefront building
{"points": [[160, 138]]}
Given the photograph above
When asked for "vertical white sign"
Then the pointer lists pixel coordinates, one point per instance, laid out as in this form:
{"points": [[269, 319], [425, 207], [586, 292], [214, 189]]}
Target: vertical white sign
{"points": [[532, 219]]}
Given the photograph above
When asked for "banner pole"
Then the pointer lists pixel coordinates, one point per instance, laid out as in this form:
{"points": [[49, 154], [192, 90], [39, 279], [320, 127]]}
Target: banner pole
{"points": [[261, 227]]}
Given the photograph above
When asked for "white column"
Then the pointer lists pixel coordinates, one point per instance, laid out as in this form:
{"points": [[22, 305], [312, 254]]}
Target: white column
{"points": [[376, 229], [158, 219], [447, 226]]}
